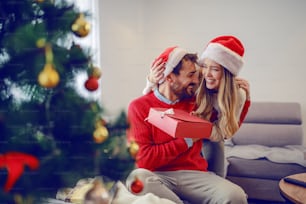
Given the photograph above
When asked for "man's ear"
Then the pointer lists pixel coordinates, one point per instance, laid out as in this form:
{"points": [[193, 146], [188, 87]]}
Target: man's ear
{"points": [[169, 78]]}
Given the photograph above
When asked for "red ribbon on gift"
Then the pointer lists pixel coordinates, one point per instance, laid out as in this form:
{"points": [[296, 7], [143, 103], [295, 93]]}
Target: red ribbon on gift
{"points": [[15, 162]]}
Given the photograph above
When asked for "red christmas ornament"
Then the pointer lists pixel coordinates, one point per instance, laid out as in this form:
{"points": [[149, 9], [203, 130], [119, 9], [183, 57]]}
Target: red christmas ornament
{"points": [[14, 162], [92, 84], [137, 186]]}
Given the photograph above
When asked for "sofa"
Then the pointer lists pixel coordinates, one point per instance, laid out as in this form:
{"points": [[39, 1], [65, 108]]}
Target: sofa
{"points": [[267, 147]]}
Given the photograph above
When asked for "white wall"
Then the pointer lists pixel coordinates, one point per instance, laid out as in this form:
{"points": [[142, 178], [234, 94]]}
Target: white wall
{"points": [[134, 32]]}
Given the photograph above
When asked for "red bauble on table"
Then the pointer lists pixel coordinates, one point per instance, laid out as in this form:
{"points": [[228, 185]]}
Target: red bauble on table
{"points": [[137, 186]]}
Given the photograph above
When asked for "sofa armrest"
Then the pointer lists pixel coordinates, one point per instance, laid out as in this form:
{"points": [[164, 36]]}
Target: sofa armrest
{"points": [[274, 113]]}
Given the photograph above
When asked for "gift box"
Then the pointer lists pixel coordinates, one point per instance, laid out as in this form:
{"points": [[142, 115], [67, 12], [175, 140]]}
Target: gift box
{"points": [[179, 123]]}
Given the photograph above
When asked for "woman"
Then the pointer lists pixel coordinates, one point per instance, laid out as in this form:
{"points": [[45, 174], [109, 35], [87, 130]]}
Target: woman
{"points": [[221, 98], [219, 94]]}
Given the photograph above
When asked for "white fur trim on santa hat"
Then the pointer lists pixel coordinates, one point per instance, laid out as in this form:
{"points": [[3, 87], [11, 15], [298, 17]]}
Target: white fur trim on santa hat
{"points": [[174, 58], [224, 56]]}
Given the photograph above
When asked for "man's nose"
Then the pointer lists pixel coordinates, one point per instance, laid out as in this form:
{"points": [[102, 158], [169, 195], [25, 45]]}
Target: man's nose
{"points": [[196, 79]]}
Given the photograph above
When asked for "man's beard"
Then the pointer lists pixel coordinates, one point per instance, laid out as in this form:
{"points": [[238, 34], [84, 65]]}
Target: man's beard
{"points": [[183, 93]]}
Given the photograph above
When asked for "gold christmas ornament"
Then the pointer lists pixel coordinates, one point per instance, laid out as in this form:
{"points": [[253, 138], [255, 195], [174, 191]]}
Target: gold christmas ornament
{"points": [[133, 149], [48, 77], [81, 27], [95, 72], [19, 199], [100, 134], [41, 42]]}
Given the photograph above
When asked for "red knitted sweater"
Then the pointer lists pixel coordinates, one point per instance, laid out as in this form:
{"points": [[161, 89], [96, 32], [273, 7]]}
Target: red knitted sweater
{"points": [[159, 151]]}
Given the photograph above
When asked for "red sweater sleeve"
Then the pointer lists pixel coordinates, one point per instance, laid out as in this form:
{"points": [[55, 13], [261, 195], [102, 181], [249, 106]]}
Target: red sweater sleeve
{"points": [[244, 112]]}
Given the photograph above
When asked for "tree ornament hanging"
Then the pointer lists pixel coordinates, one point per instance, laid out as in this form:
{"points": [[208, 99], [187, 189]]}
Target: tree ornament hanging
{"points": [[48, 77], [92, 84], [100, 134], [41, 43], [94, 73], [133, 149], [137, 185], [80, 26]]}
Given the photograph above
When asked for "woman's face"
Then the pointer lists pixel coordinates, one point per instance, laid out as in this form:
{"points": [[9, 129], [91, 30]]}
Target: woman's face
{"points": [[212, 73]]}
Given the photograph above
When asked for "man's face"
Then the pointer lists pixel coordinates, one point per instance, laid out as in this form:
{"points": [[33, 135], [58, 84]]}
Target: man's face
{"points": [[185, 84]]}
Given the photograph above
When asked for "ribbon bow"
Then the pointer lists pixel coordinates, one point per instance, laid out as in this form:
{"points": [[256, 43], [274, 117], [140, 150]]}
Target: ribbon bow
{"points": [[15, 162], [169, 111]]}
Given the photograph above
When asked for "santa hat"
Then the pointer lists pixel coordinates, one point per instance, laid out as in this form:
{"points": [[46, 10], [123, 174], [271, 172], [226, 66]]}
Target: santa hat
{"points": [[226, 51], [171, 56]]}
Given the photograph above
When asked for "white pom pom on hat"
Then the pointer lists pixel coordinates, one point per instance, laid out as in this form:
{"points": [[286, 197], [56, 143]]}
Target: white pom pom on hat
{"points": [[227, 51], [171, 56]]}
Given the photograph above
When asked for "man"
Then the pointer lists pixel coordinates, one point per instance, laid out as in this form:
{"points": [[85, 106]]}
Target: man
{"points": [[173, 168]]}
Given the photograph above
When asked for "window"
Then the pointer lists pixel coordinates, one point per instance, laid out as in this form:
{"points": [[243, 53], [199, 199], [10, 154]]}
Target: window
{"points": [[92, 41]]}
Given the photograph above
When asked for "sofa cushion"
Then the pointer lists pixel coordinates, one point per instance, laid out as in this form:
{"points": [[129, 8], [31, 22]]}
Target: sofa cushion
{"points": [[261, 168], [272, 135]]}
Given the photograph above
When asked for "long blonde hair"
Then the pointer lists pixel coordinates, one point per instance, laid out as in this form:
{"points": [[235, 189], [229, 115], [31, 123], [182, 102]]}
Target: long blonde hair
{"points": [[227, 101]]}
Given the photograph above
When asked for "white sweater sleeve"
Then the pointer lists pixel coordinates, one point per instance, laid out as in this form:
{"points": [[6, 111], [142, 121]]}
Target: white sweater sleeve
{"points": [[149, 87]]}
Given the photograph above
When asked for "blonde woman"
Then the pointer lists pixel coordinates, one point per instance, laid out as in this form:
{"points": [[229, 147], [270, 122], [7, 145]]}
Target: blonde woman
{"points": [[222, 98], [219, 97]]}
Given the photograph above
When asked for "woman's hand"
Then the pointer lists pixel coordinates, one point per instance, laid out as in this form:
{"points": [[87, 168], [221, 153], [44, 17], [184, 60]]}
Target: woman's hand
{"points": [[244, 84], [156, 72]]}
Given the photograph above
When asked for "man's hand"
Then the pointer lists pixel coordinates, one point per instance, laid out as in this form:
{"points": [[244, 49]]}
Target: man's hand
{"points": [[195, 139]]}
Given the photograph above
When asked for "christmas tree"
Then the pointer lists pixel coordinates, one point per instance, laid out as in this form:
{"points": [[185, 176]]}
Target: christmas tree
{"points": [[51, 135]]}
